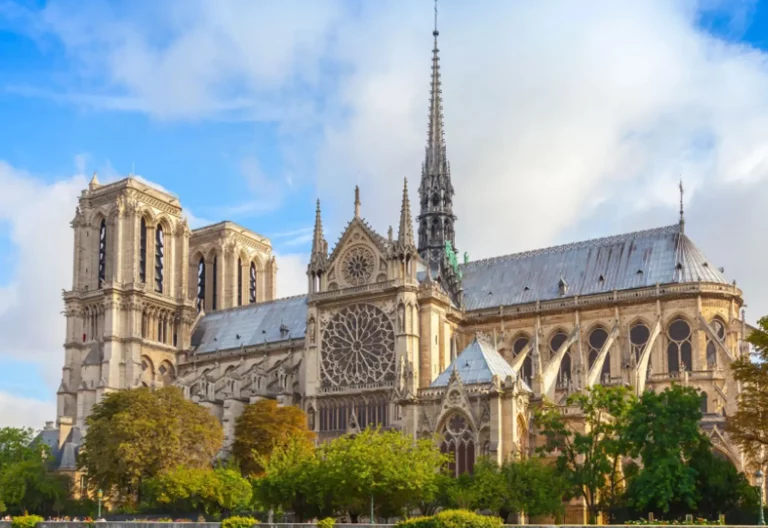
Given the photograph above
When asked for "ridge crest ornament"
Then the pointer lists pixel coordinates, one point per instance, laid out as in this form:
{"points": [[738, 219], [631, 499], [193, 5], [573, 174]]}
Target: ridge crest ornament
{"points": [[357, 265], [358, 348]]}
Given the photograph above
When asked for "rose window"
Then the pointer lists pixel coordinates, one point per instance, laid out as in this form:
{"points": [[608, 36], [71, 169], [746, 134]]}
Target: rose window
{"points": [[358, 347], [357, 267]]}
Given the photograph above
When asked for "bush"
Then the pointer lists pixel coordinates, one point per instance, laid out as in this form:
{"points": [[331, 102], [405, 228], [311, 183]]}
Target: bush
{"points": [[239, 522], [452, 519], [417, 522], [26, 521], [328, 522]]}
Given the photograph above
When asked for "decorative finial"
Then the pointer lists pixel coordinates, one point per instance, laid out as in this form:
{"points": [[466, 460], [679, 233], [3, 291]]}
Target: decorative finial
{"points": [[682, 215], [357, 201], [435, 32], [94, 182]]}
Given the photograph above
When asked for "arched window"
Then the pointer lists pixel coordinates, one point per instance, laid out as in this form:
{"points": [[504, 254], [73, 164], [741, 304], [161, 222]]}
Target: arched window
{"points": [[240, 284], [679, 347], [527, 370], [436, 199], [704, 403], [638, 338], [102, 252], [159, 258], [719, 329], [564, 374], [214, 293], [201, 284], [252, 284], [143, 251], [459, 444], [596, 341]]}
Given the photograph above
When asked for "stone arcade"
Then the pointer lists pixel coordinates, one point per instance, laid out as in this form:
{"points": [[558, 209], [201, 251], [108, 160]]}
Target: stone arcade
{"points": [[393, 330]]}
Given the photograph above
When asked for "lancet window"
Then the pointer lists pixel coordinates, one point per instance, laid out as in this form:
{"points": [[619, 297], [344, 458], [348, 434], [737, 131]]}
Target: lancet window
{"points": [[679, 350], [719, 329], [239, 282], [638, 338], [459, 444], [159, 258], [252, 284], [527, 370], [214, 293], [201, 284], [143, 251], [596, 341], [102, 252], [336, 416], [564, 373]]}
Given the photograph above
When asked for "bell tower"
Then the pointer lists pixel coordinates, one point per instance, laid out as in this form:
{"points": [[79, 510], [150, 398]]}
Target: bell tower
{"points": [[128, 311]]}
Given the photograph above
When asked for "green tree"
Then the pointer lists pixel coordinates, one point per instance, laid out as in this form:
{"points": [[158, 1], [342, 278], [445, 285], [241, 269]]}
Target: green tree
{"points": [[663, 431], [388, 467], [534, 487], [197, 490], [134, 435], [17, 444], [748, 427], [27, 485], [590, 443], [262, 427]]}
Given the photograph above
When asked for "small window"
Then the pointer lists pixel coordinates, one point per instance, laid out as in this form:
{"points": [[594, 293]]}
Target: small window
{"points": [[143, 251], [201, 284], [252, 284], [214, 293], [239, 282]]}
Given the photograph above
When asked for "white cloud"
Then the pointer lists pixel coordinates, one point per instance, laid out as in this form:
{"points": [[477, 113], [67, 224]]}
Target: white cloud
{"points": [[291, 274], [17, 411], [38, 213], [562, 121]]}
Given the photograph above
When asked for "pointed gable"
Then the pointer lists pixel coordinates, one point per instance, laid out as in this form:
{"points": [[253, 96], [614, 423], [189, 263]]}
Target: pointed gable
{"points": [[478, 363]]}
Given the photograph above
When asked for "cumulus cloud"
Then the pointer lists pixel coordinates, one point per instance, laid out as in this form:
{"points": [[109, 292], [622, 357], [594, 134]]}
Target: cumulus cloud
{"points": [[562, 121], [16, 411], [31, 321]]}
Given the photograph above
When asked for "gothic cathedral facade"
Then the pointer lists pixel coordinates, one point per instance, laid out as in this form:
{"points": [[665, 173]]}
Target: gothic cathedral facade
{"points": [[396, 331]]}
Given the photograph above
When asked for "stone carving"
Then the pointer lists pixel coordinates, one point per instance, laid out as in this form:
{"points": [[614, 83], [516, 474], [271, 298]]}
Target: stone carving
{"points": [[357, 266], [311, 330], [358, 347]]}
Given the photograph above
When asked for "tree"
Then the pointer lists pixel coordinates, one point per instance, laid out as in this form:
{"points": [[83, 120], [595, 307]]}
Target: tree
{"points": [[197, 490], [17, 444], [534, 487], [590, 445], [748, 427], [663, 430], [27, 485], [264, 426], [134, 435]]}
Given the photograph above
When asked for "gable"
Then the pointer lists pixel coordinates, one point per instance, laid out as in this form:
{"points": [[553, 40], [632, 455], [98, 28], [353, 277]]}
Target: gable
{"points": [[360, 257]]}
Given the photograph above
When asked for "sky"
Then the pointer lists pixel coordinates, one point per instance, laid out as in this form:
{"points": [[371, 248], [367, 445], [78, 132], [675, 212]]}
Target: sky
{"points": [[564, 121]]}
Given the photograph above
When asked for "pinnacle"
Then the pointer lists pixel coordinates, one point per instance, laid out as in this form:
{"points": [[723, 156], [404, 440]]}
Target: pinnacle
{"points": [[405, 231], [318, 242]]}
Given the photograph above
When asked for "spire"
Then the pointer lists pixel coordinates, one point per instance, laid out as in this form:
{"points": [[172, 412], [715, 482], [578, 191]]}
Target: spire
{"points": [[357, 201], [435, 160], [318, 242], [94, 182], [682, 215], [405, 231]]}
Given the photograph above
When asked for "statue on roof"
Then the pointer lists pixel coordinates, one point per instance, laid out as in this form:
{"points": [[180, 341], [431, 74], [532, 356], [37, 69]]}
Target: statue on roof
{"points": [[452, 260]]}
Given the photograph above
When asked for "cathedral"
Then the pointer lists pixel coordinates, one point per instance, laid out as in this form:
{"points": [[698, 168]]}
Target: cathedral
{"points": [[398, 330]]}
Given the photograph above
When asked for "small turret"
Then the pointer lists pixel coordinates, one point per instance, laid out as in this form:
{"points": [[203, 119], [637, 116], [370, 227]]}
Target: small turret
{"points": [[318, 260], [94, 184]]}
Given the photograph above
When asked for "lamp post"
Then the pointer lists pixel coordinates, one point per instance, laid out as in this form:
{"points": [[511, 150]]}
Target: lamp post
{"points": [[759, 481], [99, 494]]}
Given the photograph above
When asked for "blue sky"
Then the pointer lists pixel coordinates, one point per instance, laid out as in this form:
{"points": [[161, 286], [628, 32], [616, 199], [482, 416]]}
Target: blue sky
{"points": [[249, 111]]}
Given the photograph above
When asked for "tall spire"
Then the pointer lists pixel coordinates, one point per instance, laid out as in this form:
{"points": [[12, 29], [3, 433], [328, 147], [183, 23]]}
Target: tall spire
{"points": [[405, 231], [436, 219], [682, 215], [357, 201], [318, 242]]}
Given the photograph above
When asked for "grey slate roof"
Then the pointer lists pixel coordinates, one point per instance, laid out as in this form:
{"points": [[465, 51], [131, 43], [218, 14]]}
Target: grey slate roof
{"points": [[255, 324], [64, 457], [633, 260], [477, 363]]}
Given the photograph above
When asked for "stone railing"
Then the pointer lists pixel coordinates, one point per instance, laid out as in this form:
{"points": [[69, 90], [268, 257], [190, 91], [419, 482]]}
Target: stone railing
{"points": [[374, 286]]}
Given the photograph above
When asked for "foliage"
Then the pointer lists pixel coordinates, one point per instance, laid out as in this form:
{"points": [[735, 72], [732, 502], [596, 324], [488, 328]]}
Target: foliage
{"points": [[262, 427], [134, 435], [17, 445], [748, 427], [239, 522], [534, 487], [27, 485], [197, 490], [292, 480], [452, 519], [26, 521], [390, 467], [590, 445], [328, 522], [663, 430]]}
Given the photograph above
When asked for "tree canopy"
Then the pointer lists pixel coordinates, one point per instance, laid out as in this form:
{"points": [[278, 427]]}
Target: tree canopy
{"points": [[262, 427], [134, 435], [748, 427]]}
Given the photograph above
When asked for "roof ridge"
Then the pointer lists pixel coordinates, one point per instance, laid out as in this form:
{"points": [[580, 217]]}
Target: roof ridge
{"points": [[256, 304], [572, 245]]}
